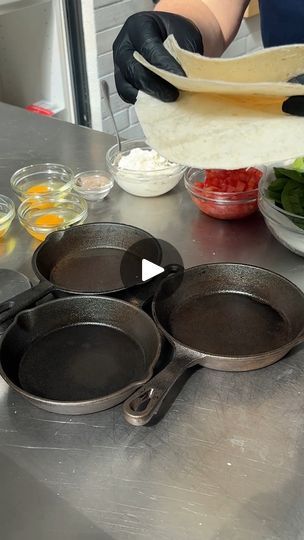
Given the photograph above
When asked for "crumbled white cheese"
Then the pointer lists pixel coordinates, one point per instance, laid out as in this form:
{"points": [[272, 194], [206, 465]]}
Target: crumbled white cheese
{"points": [[144, 160], [144, 173]]}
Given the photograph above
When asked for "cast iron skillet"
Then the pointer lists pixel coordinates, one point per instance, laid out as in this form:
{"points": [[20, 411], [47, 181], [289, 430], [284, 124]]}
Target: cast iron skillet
{"points": [[84, 259], [229, 317], [79, 355]]}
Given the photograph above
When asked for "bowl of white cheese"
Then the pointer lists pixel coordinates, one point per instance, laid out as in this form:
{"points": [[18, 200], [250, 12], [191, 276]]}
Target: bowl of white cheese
{"points": [[141, 171]]}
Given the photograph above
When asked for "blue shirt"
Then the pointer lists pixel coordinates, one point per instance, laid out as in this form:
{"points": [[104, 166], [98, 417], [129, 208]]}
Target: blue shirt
{"points": [[282, 22]]}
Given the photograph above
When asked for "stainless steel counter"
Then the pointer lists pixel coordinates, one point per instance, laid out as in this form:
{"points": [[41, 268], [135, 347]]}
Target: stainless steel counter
{"points": [[226, 462]]}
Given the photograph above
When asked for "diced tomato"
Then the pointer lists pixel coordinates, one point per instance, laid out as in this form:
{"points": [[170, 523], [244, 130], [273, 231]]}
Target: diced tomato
{"points": [[240, 179], [225, 189], [241, 186], [224, 211]]}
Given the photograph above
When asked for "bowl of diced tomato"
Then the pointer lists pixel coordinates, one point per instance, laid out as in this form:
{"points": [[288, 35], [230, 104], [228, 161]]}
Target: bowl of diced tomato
{"points": [[224, 194]]}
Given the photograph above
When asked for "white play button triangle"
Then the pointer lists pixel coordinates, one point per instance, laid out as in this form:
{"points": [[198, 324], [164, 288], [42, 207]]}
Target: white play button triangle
{"points": [[149, 270]]}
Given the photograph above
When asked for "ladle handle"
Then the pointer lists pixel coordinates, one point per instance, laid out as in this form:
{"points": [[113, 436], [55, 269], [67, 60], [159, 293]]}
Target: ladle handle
{"points": [[106, 94], [140, 408]]}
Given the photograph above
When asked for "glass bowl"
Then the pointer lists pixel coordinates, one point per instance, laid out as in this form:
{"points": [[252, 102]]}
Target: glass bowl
{"points": [[221, 204], [286, 227], [93, 185], [142, 182], [40, 217], [7, 214], [42, 180]]}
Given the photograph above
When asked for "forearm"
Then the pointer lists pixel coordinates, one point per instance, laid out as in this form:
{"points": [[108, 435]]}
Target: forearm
{"points": [[217, 20]]}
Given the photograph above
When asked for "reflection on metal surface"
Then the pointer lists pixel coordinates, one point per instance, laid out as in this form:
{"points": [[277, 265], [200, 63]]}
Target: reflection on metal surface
{"points": [[7, 246], [12, 283], [230, 241], [34, 244]]}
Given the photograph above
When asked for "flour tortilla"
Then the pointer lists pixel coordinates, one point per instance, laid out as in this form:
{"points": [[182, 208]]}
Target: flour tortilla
{"points": [[221, 131], [264, 72], [229, 113], [274, 64]]}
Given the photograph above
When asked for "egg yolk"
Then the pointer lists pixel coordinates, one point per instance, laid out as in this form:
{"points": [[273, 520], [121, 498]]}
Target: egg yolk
{"points": [[49, 220], [37, 189]]}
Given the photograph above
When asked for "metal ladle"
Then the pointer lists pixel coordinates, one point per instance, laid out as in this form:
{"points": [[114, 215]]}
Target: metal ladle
{"points": [[106, 94]]}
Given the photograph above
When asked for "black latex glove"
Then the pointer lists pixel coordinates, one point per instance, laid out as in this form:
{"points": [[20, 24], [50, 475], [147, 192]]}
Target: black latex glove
{"points": [[145, 32], [295, 105]]}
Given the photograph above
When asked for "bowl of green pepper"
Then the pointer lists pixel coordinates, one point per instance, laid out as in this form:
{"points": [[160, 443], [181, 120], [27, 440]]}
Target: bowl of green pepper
{"points": [[281, 201]]}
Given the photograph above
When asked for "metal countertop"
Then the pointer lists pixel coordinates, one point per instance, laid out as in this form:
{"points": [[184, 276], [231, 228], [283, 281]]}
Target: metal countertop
{"points": [[225, 463]]}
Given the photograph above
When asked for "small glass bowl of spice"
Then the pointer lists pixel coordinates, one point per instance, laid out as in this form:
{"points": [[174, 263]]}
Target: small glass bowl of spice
{"points": [[93, 185]]}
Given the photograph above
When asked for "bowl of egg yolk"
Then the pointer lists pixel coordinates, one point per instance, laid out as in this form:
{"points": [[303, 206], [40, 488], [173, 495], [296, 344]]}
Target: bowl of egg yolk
{"points": [[40, 217], [42, 180], [7, 214]]}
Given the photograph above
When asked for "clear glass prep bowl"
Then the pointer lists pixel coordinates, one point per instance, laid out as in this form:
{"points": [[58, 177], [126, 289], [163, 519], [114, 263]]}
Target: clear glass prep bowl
{"points": [[279, 222], [95, 194], [42, 180], [40, 217], [142, 183], [219, 204], [7, 214]]}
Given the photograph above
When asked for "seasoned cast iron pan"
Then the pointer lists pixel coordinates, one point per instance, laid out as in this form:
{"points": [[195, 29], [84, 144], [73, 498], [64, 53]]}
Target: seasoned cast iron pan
{"points": [[83, 260], [79, 355], [229, 317]]}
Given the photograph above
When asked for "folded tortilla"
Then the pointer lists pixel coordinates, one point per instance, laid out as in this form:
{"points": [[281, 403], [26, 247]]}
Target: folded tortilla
{"points": [[264, 72], [229, 113]]}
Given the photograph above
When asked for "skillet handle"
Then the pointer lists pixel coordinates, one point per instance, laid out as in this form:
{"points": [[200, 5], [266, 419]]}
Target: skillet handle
{"points": [[140, 294], [140, 408], [21, 301]]}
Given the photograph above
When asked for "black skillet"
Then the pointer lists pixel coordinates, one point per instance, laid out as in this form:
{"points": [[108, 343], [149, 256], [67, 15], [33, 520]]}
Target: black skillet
{"points": [[79, 355], [228, 317], [85, 260]]}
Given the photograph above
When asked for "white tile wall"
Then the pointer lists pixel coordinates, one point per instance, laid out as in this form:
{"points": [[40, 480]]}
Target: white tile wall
{"points": [[109, 18], [248, 38]]}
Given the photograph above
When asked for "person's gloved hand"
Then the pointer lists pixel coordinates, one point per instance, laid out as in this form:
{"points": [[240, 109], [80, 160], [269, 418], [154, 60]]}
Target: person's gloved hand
{"points": [[295, 104], [145, 32]]}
